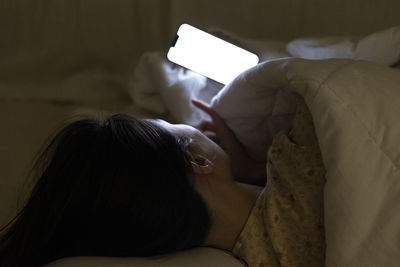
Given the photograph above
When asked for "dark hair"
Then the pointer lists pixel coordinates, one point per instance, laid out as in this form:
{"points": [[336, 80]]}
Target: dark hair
{"points": [[113, 188]]}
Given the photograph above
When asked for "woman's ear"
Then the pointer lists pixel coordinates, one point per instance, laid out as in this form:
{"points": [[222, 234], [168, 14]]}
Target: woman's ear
{"points": [[201, 165]]}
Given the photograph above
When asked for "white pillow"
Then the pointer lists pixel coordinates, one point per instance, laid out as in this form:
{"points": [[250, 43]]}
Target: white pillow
{"points": [[198, 257], [381, 47]]}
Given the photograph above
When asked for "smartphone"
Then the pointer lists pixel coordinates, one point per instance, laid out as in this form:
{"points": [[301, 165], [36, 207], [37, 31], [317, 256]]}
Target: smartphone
{"points": [[209, 55]]}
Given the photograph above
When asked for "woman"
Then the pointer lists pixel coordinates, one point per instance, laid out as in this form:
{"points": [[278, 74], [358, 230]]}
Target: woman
{"points": [[130, 187]]}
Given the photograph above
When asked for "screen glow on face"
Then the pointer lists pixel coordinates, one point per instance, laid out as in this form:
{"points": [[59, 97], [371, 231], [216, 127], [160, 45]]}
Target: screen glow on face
{"points": [[209, 55]]}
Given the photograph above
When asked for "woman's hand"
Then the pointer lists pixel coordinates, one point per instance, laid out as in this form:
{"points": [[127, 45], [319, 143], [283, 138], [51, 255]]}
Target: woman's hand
{"points": [[244, 168]]}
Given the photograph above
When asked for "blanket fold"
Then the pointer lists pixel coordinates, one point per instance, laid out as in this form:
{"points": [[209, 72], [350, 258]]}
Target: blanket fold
{"points": [[286, 225]]}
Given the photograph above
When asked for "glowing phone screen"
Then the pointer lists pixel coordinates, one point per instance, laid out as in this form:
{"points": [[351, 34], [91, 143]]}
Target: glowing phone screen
{"points": [[209, 55]]}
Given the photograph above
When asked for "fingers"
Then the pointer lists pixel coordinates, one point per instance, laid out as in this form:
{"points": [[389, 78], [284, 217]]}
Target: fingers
{"points": [[207, 109], [203, 106]]}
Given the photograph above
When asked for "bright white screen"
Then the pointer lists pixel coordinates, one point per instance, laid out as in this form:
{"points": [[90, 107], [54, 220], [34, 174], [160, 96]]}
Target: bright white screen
{"points": [[209, 55]]}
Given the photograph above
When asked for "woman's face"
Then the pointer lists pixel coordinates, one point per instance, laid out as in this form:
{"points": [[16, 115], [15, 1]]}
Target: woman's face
{"points": [[200, 145]]}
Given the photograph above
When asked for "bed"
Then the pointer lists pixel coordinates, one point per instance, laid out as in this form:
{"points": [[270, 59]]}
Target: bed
{"points": [[62, 60]]}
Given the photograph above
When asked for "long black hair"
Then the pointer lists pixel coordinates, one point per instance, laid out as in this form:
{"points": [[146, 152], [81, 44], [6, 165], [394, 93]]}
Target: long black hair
{"points": [[118, 187]]}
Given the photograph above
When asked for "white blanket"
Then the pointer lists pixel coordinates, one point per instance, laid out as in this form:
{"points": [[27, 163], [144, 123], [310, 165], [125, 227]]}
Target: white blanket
{"points": [[355, 107]]}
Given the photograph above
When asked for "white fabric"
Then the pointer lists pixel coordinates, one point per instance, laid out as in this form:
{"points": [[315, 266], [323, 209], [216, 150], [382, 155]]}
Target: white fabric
{"points": [[355, 107], [198, 257], [381, 47], [160, 87]]}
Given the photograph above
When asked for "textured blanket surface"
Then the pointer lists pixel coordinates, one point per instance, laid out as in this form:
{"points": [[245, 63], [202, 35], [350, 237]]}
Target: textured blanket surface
{"points": [[286, 225]]}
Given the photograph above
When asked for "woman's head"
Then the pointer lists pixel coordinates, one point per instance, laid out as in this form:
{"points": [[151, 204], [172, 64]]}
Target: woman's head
{"points": [[119, 187]]}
